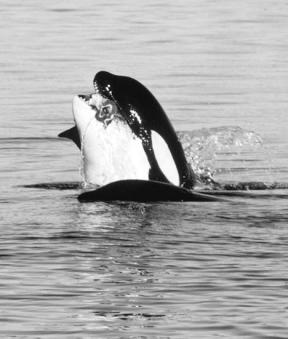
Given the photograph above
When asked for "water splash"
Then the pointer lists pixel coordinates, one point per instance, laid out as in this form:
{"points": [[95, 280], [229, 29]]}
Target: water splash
{"points": [[202, 147]]}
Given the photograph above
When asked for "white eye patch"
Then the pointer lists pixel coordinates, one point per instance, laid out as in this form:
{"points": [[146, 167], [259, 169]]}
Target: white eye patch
{"points": [[164, 158]]}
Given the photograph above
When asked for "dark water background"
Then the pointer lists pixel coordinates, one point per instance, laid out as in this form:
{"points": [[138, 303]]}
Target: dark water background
{"points": [[127, 270]]}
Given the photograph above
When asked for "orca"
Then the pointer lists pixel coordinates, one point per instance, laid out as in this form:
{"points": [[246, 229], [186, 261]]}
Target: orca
{"points": [[123, 122], [128, 144], [148, 121]]}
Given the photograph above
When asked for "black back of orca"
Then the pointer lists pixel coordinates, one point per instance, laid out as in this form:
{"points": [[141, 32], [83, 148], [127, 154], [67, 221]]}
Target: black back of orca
{"points": [[143, 191], [144, 113]]}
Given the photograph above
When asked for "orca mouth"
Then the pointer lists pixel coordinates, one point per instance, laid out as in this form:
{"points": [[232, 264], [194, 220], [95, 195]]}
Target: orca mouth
{"points": [[96, 87], [104, 108], [92, 101], [103, 90], [85, 97]]}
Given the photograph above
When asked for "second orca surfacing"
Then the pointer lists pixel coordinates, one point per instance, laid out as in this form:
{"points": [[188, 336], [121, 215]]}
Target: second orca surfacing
{"points": [[129, 146], [143, 191]]}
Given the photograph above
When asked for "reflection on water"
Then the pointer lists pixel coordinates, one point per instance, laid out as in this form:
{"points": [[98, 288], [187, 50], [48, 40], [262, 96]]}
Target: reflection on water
{"points": [[127, 270]]}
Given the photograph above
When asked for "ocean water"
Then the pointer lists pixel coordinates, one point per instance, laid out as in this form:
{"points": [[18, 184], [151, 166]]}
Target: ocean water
{"points": [[132, 270]]}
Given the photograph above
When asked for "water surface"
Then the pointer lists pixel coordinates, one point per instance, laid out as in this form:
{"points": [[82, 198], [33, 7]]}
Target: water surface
{"points": [[127, 270]]}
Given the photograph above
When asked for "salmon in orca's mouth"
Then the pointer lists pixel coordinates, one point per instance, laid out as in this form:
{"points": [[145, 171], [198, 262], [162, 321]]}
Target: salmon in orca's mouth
{"points": [[105, 109], [94, 105]]}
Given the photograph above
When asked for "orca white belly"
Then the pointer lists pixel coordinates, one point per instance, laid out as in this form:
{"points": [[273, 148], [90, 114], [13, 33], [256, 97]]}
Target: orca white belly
{"points": [[111, 153]]}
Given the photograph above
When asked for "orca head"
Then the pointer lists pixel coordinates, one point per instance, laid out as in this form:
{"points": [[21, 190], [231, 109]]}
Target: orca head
{"points": [[149, 122], [93, 108], [135, 102], [109, 149]]}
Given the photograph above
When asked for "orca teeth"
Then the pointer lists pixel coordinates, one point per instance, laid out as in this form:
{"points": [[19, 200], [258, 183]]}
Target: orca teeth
{"points": [[89, 100], [97, 91], [85, 98]]}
